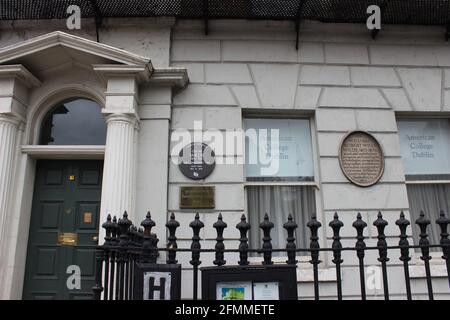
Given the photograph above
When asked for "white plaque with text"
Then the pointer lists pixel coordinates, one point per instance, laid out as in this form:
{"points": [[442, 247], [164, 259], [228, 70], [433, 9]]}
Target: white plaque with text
{"points": [[425, 146], [266, 291]]}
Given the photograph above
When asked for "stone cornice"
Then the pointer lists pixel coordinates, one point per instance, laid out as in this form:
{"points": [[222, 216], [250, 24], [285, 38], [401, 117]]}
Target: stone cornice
{"points": [[142, 73], [19, 72], [174, 77]]}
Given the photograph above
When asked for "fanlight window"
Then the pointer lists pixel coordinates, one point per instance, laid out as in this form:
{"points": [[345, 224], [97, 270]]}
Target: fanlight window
{"points": [[74, 122]]}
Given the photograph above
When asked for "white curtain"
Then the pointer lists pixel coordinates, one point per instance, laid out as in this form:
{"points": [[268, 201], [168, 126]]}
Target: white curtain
{"points": [[431, 198], [278, 202]]}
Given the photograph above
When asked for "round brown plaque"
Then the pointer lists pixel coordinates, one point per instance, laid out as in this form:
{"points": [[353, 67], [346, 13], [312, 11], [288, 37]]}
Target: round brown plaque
{"points": [[361, 158]]}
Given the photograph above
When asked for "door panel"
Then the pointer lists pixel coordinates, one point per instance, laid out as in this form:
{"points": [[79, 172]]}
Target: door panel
{"points": [[66, 200], [47, 261], [50, 213]]}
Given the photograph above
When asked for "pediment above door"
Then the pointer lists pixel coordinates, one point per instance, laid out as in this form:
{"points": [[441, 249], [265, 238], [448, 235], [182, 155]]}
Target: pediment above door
{"points": [[58, 50]]}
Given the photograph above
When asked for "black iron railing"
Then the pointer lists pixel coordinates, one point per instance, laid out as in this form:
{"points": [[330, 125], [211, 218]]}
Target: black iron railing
{"points": [[126, 244]]}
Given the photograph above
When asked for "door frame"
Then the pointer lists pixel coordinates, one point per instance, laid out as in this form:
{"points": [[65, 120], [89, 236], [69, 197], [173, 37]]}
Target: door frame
{"points": [[24, 198], [56, 154], [19, 218]]}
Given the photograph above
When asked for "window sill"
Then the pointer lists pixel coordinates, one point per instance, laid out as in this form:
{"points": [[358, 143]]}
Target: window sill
{"points": [[437, 271], [304, 269], [325, 275]]}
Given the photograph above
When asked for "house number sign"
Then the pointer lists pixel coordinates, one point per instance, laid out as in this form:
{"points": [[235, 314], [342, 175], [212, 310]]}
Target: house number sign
{"points": [[361, 158]]}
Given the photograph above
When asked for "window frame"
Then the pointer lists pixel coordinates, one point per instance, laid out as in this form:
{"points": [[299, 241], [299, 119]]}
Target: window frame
{"points": [[436, 256], [50, 112], [303, 260]]}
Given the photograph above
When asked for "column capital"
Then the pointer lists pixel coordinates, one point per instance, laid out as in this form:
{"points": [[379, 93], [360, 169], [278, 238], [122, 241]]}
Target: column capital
{"points": [[15, 80], [131, 118], [12, 118]]}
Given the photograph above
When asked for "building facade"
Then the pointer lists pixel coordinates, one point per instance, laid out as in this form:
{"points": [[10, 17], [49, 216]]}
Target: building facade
{"points": [[90, 128]]}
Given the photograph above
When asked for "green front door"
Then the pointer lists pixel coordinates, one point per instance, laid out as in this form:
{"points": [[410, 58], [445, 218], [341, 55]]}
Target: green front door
{"points": [[63, 230]]}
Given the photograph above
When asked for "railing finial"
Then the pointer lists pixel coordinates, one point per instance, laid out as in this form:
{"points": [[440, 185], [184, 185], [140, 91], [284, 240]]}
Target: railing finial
{"points": [[314, 226], [381, 224], [336, 225], [196, 225], [424, 243], [220, 225], [266, 225], [290, 227], [172, 245], [243, 228], [150, 243], [360, 246]]}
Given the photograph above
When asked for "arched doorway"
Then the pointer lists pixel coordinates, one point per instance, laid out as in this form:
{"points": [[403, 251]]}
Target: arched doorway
{"points": [[66, 206]]}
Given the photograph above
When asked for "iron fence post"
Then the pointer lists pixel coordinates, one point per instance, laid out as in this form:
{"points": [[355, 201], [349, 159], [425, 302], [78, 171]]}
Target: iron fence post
{"points": [[314, 226], [381, 224], [108, 226], [114, 260], [266, 225], [97, 289], [196, 225], [290, 227], [243, 228], [422, 222], [360, 246], [148, 246], [172, 225], [443, 222], [403, 224], [220, 247], [336, 225], [124, 226]]}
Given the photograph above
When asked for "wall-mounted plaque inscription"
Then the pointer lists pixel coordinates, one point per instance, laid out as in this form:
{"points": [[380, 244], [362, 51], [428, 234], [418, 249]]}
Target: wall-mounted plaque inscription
{"points": [[197, 198], [197, 160], [361, 158]]}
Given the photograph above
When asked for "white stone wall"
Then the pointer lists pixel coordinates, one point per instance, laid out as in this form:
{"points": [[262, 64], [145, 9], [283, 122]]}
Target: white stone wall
{"points": [[345, 81], [145, 37], [339, 77]]}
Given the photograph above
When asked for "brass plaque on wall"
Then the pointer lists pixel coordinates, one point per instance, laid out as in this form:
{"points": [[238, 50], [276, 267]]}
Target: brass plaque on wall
{"points": [[361, 158], [197, 198]]}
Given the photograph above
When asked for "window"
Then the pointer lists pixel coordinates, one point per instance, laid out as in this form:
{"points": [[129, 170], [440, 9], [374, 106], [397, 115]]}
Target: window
{"points": [[74, 122], [280, 177], [425, 149]]}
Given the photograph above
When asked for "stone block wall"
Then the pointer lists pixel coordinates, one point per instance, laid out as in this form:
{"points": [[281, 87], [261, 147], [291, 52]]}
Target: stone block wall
{"points": [[343, 81]]}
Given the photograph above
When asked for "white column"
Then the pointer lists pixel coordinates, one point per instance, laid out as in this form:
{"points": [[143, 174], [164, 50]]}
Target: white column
{"points": [[9, 132], [118, 170], [122, 120], [15, 84]]}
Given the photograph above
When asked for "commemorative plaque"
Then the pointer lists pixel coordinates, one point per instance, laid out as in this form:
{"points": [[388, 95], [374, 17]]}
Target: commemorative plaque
{"points": [[197, 161], [361, 158], [201, 197]]}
